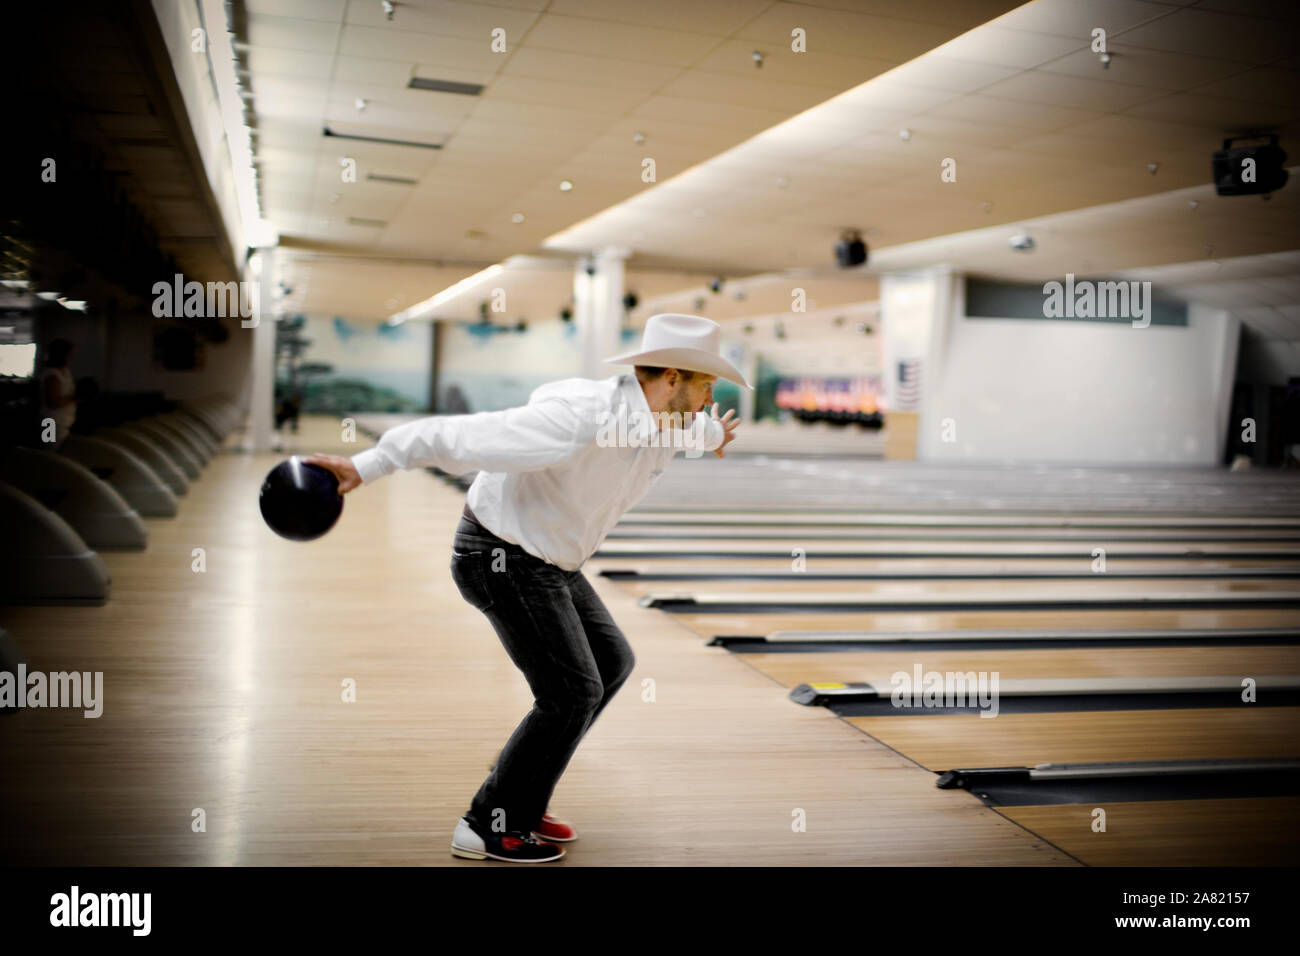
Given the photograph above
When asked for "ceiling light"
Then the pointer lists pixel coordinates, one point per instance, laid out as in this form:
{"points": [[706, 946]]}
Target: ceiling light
{"points": [[904, 134], [49, 296], [1022, 242], [360, 104], [76, 305], [565, 186], [389, 9], [517, 217], [638, 137], [18, 284]]}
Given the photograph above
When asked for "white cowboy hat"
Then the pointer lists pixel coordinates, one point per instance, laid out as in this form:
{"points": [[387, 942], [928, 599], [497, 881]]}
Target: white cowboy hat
{"points": [[682, 341]]}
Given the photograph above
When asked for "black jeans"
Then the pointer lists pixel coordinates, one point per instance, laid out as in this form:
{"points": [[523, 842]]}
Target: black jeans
{"points": [[558, 632]]}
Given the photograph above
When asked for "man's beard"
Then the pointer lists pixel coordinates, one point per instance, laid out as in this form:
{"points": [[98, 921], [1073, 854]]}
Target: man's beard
{"points": [[679, 404]]}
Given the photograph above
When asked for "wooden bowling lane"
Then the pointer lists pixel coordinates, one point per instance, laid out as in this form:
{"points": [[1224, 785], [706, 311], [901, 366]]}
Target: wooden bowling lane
{"points": [[989, 600], [708, 625], [922, 567], [877, 667], [222, 691], [869, 519], [1098, 586], [941, 742], [1259, 831], [730, 549], [1094, 536]]}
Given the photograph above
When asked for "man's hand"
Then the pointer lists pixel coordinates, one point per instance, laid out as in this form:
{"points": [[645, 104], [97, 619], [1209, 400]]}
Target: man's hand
{"points": [[342, 468], [729, 427]]}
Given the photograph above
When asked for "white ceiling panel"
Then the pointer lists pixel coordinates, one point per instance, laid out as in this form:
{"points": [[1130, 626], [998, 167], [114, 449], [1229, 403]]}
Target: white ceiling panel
{"points": [[777, 159]]}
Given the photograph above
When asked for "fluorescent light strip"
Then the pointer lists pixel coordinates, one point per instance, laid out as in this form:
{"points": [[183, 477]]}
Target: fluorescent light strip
{"points": [[424, 309]]}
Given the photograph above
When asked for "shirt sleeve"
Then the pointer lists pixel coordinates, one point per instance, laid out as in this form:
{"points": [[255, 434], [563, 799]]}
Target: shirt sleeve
{"points": [[527, 438]]}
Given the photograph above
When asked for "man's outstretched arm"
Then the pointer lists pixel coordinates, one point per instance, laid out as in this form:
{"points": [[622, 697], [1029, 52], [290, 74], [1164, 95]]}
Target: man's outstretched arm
{"points": [[527, 438]]}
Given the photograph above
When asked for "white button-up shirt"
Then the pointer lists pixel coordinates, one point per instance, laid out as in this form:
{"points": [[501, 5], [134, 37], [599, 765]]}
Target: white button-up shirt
{"points": [[557, 474]]}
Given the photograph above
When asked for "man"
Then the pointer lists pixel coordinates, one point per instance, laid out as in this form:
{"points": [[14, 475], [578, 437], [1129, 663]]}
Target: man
{"points": [[554, 477], [57, 401]]}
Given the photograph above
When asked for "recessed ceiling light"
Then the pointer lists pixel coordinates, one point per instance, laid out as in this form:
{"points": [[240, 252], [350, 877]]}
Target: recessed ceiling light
{"points": [[517, 217], [49, 296], [638, 137], [904, 134], [565, 186]]}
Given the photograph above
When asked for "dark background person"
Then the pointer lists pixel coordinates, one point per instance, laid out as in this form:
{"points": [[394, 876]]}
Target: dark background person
{"points": [[57, 392]]}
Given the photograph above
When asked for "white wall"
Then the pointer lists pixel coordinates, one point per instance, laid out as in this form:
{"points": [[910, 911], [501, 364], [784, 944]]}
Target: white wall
{"points": [[130, 366], [1070, 391]]}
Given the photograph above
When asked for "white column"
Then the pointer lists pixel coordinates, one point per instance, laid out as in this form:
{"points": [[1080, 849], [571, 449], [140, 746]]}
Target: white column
{"points": [[1227, 329], [915, 312], [261, 377], [598, 309], [750, 370]]}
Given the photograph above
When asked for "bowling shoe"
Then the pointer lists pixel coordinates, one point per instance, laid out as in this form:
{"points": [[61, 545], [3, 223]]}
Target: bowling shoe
{"points": [[471, 844], [554, 831]]}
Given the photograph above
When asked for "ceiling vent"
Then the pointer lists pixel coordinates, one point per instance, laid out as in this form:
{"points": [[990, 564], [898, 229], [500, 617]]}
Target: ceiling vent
{"points": [[445, 86]]}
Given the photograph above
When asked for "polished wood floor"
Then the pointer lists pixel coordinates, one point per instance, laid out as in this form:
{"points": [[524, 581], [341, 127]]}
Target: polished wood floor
{"points": [[222, 693], [1154, 833]]}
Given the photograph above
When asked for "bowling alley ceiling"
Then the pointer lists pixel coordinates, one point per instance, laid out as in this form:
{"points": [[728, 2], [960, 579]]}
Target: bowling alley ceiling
{"points": [[758, 167], [581, 79], [101, 105]]}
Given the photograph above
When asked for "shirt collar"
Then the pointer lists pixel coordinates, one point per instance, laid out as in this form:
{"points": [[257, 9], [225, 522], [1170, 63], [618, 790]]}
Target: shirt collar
{"points": [[641, 415]]}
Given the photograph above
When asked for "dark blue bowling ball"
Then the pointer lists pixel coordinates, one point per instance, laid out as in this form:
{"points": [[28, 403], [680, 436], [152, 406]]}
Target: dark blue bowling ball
{"points": [[300, 501]]}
